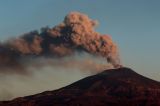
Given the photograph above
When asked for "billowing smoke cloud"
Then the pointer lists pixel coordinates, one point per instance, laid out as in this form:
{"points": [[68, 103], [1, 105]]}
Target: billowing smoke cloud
{"points": [[76, 34], [73, 48]]}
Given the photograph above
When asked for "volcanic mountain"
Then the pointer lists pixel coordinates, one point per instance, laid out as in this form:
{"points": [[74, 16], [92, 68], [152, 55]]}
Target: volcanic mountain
{"points": [[114, 87]]}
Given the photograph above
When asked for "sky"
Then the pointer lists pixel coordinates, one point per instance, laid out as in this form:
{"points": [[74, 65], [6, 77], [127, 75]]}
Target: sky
{"points": [[133, 24]]}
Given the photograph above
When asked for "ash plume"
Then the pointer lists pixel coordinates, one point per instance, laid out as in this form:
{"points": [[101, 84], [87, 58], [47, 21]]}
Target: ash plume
{"points": [[75, 34]]}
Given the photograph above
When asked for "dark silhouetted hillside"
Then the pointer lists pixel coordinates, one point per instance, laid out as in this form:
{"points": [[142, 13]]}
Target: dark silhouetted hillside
{"points": [[115, 87]]}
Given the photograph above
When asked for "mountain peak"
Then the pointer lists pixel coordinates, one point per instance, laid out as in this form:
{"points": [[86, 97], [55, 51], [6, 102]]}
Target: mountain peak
{"points": [[122, 87], [120, 70]]}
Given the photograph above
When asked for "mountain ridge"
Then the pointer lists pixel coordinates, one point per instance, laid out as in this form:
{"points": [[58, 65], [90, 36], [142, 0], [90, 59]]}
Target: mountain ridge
{"points": [[113, 87]]}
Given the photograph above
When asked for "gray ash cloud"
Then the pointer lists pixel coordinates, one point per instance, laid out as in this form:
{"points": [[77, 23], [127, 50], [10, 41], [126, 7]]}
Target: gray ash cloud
{"points": [[75, 34]]}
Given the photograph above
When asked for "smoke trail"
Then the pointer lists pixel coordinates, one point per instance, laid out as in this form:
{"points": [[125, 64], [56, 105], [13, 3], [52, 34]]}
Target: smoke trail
{"points": [[75, 34], [70, 69]]}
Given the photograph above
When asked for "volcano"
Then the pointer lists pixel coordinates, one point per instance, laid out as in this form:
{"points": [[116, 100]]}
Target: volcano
{"points": [[114, 87]]}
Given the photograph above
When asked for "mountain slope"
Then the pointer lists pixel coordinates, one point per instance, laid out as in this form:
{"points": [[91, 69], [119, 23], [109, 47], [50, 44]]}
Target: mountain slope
{"points": [[115, 87]]}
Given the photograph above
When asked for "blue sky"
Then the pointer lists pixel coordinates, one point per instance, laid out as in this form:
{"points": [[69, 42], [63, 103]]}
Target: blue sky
{"points": [[133, 24]]}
